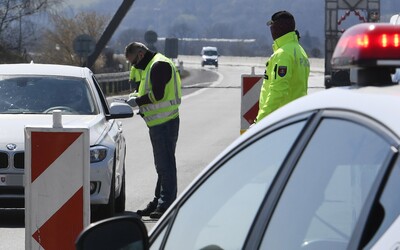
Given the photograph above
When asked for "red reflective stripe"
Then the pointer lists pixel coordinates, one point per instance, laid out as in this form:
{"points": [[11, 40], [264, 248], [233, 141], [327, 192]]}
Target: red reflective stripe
{"points": [[54, 234], [249, 82], [251, 115], [47, 147]]}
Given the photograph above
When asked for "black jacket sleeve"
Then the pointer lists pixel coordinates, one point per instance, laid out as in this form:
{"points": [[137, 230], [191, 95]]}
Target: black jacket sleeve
{"points": [[160, 74]]}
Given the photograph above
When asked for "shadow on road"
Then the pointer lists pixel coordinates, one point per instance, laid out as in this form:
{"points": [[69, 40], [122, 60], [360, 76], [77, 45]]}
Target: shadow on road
{"points": [[12, 218], [15, 218]]}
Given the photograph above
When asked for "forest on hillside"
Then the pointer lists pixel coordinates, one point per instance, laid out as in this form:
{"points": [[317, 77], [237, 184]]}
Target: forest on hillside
{"points": [[229, 19], [236, 27]]}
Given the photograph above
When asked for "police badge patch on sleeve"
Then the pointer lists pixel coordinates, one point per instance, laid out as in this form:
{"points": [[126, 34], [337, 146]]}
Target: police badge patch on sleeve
{"points": [[282, 71]]}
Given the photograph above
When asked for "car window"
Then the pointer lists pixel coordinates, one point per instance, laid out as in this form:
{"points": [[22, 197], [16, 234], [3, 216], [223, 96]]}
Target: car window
{"points": [[322, 200], [103, 100], [158, 241], [210, 52], [388, 208], [221, 211], [44, 94]]}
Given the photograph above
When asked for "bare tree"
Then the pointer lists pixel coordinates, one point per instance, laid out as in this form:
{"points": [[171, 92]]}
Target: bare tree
{"points": [[57, 43], [14, 27], [13, 10]]}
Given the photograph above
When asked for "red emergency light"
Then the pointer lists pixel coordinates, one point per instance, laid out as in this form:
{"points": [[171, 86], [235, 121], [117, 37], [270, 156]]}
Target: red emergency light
{"points": [[368, 45]]}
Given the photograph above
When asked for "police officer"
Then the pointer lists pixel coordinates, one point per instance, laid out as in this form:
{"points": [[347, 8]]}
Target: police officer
{"points": [[159, 97], [287, 70], [134, 78]]}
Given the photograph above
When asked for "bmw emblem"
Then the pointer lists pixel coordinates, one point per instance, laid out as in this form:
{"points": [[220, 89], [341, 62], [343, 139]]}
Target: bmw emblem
{"points": [[11, 146]]}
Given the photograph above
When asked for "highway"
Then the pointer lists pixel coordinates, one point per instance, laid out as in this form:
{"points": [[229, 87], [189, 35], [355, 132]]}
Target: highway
{"points": [[210, 121]]}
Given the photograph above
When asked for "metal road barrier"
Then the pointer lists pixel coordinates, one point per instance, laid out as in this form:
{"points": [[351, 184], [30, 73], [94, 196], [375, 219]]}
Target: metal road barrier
{"points": [[118, 83], [114, 83]]}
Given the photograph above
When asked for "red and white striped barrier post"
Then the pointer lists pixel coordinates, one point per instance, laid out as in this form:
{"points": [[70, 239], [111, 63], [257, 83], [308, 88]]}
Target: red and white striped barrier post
{"points": [[57, 196], [251, 87]]}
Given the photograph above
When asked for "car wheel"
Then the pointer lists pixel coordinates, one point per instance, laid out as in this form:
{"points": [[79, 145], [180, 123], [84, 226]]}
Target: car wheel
{"points": [[120, 201]]}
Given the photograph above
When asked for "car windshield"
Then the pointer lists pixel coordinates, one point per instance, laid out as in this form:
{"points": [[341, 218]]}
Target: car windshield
{"points": [[44, 94], [210, 53]]}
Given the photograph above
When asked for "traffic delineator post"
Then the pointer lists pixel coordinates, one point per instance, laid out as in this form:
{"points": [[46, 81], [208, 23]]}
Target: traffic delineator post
{"points": [[57, 195], [250, 94]]}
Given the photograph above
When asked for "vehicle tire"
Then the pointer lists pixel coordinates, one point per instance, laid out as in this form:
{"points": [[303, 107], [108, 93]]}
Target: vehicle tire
{"points": [[202, 64], [120, 201], [216, 65]]}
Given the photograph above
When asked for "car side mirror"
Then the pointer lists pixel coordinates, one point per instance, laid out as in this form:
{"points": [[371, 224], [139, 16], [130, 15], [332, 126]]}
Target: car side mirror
{"points": [[120, 110], [119, 232]]}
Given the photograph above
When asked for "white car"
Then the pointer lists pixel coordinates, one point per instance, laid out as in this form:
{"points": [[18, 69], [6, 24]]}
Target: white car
{"points": [[209, 56], [29, 93], [322, 172]]}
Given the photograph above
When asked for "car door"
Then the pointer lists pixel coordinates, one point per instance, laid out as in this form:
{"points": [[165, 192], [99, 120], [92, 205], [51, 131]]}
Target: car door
{"points": [[115, 132], [327, 198], [219, 210]]}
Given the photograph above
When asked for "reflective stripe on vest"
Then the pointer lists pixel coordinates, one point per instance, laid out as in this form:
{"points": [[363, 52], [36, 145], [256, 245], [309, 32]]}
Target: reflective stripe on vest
{"points": [[154, 117], [160, 105]]}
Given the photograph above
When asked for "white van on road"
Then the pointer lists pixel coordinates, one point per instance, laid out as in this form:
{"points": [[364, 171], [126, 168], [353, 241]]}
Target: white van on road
{"points": [[209, 56]]}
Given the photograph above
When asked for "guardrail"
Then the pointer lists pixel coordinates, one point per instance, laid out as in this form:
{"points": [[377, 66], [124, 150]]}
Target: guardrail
{"points": [[118, 83], [114, 83]]}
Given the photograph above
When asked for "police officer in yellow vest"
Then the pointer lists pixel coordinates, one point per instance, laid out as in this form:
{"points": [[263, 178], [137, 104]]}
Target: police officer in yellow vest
{"points": [[134, 78], [287, 70], [158, 99]]}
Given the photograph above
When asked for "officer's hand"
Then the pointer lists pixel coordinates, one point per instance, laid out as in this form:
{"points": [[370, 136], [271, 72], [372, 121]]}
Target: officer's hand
{"points": [[132, 102]]}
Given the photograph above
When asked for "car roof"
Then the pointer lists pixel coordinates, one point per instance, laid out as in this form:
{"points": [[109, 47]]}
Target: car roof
{"points": [[43, 69], [209, 48], [379, 103]]}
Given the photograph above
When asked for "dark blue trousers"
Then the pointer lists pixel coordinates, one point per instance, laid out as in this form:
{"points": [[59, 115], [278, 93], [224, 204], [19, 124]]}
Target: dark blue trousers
{"points": [[163, 139]]}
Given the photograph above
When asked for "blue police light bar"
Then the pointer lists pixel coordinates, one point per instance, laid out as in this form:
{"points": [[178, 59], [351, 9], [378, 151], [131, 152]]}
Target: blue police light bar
{"points": [[368, 45]]}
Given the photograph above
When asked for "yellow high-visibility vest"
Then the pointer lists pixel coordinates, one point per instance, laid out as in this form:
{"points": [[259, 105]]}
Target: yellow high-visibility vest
{"points": [[135, 74], [160, 111]]}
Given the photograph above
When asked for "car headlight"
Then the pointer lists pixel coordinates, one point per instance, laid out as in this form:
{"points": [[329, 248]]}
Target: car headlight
{"points": [[98, 154]]}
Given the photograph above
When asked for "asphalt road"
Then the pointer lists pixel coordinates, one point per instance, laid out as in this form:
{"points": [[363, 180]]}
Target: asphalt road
{"points": [[210, 121]]}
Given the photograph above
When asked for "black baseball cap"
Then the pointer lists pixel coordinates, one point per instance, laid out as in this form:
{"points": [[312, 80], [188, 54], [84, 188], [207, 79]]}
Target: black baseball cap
{"points": [[280, 15]]}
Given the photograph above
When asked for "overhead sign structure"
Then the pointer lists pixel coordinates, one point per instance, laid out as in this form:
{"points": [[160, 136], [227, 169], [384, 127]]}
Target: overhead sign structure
{"points": [[84, 45], [171, 47], [57, 196], [251, 87]]}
